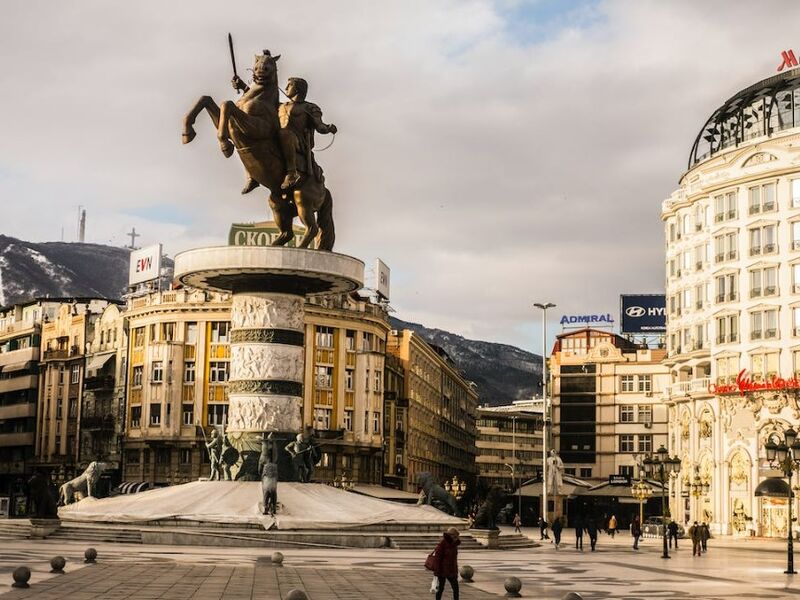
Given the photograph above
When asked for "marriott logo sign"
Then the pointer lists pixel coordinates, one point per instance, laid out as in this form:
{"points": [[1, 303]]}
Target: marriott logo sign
{"points": [[788, 60]]}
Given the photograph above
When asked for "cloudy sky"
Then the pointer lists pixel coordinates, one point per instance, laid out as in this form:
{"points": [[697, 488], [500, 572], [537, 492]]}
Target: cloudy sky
{"points": [[494, 154]]}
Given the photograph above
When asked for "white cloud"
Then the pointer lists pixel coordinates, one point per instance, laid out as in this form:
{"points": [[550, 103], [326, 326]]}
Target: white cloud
{"points": [[487, 170]]}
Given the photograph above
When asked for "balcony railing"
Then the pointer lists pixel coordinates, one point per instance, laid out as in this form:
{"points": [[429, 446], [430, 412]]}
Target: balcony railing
{"points": [[691, 387]]}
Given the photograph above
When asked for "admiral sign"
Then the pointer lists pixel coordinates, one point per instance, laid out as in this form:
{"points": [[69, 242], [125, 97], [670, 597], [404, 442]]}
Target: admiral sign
{"points": [[145, 265], [643, 313], [585, 320]]}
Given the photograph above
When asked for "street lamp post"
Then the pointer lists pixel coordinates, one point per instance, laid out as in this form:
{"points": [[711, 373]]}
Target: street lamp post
{"points": [[515, 463], [661, 467], [785, 456], [545, 408], [641, 491], [699, 489], [456, 487]]}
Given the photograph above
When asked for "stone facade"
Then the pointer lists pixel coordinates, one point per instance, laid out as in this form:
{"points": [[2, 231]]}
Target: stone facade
{"points": [[606, 403], [442, 408], [732, 268]]}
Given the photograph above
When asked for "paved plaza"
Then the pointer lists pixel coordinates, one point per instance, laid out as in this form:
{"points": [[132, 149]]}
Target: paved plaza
{"points": [[731, 569]]}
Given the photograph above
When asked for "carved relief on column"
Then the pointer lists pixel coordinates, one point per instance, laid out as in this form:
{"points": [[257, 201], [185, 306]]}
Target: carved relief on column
{"points": [[276, 311], [264, 413], [266, 361]]}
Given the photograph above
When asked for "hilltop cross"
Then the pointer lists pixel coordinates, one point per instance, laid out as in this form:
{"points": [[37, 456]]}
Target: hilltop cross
{"points": [[133, 235]]}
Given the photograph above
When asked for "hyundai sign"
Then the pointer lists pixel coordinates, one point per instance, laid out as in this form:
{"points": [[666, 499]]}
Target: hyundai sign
{"points": [[643, 313]]}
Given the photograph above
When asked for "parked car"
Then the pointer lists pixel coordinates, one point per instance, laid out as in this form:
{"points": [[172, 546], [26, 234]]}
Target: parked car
{"points": [[654, 527]]}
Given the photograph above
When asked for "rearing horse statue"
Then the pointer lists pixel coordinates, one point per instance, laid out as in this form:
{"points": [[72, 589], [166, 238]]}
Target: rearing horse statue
{"points": [[251, 127]]}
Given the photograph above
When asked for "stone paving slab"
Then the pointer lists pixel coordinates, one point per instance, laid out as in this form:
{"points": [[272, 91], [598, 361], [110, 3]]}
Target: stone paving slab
{"points": [[207, 582]]}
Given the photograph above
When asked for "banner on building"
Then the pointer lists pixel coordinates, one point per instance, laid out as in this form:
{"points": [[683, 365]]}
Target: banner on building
{"points": [[643, 313], [382, 279], [145, 265]]}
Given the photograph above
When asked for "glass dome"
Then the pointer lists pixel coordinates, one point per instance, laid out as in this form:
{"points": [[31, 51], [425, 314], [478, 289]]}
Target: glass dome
{"points": [[762, 109]]}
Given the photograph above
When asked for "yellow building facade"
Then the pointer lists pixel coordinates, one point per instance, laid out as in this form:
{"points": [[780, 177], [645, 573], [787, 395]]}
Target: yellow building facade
{"points": [[177, 388], [442, 408]]}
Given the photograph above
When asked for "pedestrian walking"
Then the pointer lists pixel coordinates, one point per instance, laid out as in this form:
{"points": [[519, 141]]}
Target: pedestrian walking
{"points": [[705, 533], [612, 526], [591, 529], [556, 528], [695, 534], [517, 523], [579, 533], [543, 529], [445, 562], [636, 531], [672, 532]]}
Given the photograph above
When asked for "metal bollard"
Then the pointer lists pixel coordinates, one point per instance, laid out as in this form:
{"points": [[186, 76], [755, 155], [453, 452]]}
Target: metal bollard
{"points": [[57, 564], [90, 555], [277, 559], [513, 585], [572, 596], [296, 595]]}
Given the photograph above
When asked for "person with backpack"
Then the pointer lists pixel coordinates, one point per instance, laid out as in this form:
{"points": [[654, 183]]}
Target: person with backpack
{"points": [[443, 561], [543, 529]]}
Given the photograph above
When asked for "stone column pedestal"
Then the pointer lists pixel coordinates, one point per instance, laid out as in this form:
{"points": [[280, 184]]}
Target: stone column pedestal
{"points": [[269, 287], [41, 528], [487, 537]]}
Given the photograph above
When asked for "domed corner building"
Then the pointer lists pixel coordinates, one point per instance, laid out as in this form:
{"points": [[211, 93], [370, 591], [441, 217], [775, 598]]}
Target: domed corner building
{"points": [[733, 303]]}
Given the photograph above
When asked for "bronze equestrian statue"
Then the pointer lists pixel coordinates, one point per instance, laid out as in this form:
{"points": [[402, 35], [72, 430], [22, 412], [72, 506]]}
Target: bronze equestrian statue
{"points": [[275, 143]]}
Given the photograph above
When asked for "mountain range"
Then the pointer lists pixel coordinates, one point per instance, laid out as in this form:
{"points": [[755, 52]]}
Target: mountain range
{"points": [[30, 270]]}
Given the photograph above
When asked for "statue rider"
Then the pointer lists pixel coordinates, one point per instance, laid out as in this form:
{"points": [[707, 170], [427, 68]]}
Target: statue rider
{"points": [[299, 120]]}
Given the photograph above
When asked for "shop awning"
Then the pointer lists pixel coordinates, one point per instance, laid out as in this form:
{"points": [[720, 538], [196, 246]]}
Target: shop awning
{"points": [[20, 366], [572, 486], [774, 487], [620, 491], [98, 361]]}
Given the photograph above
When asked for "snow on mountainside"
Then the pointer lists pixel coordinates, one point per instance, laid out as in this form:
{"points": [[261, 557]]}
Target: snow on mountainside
{"points": [[57, 269], [503, 373]]}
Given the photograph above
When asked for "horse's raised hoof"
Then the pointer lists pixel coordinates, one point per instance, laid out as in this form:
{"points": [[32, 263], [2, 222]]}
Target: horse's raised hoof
{"points": [[188, 135], [227, 148]]}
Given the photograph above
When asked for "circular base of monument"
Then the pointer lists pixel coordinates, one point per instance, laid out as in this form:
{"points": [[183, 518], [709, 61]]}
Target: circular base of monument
{"points": [[270, 269]]}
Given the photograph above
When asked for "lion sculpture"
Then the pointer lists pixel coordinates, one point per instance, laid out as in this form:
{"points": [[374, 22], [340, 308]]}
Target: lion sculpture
{"points": [[435, 495], [486, 517], [85, 484]]}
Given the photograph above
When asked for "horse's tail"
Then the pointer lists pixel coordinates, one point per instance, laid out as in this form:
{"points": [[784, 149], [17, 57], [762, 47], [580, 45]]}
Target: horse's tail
{"points": [[327, 234]]}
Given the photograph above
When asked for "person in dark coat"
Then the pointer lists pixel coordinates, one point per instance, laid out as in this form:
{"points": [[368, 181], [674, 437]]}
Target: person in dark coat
{"points": [[672, 533], [556, 529], [446, 566], [578, 533], [694, 533], [591, 529], [705, 534], [636, 532], [543, 529]]}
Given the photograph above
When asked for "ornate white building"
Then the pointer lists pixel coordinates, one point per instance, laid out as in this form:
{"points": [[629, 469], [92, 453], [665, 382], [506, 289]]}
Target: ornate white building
{"points": [[733, 302]]}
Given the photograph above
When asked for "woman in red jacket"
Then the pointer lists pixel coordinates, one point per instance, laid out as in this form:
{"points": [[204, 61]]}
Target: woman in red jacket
{"points": [[446, 568]]}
